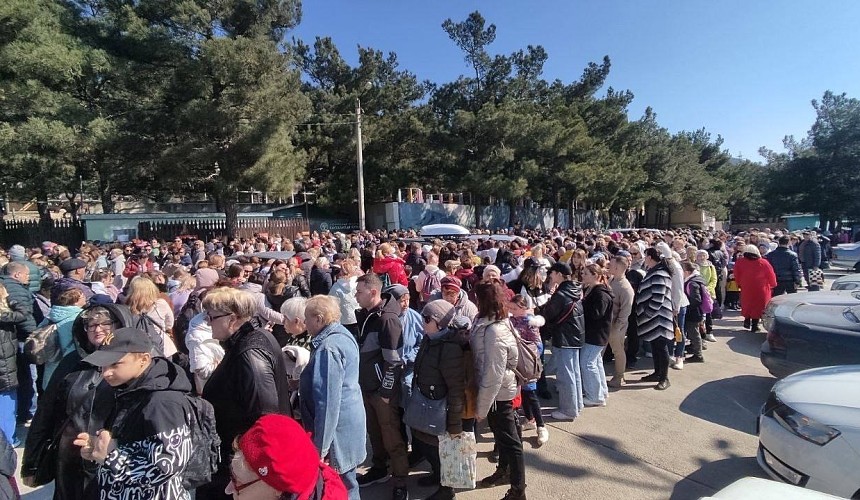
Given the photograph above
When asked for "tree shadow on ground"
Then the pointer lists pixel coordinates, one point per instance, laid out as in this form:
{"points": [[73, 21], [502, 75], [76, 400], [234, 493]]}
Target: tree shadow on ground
{"points": [[731, 402], [746, 343], [713, 476]]}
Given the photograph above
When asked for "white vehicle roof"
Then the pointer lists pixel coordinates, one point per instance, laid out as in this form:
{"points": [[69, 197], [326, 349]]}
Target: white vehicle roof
{"points": [[754, 488], [444, 230]]}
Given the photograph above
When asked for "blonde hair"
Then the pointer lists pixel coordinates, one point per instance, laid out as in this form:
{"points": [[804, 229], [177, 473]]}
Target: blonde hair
{"points": [[216, 260], [383, 250], [142, 295], [226, 300], [325, 307], [348, 268], [4, 296]]}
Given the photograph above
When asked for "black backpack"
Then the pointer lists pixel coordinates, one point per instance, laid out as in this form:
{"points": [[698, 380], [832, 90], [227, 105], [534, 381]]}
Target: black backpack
{"points": [[205, 444], [193, 306], [153, 331]]}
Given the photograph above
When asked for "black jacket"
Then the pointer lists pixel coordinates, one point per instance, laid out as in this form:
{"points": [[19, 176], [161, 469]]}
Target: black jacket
{"points": [[320, 281], [597, 309], [9, 345], [151, 431], [76, 400], [251, 381], [440, 373], [21, 294], [380, 336], [785, 265], [565, 320], [694, 288]]}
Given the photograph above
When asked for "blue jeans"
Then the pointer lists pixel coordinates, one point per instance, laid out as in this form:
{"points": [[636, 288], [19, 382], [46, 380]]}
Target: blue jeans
{"points": [[594, 386], [679, 346], [8, 399], [351, 484], [569, 381]]}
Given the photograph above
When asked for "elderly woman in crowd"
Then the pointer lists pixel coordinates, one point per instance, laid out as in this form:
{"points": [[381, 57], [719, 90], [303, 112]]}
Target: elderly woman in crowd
{"points": [[344, 291], [293, 311], [249, 382], [331, 405]]}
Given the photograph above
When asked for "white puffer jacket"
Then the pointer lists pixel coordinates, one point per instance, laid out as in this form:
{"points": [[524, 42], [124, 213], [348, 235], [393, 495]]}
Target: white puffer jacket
{"points": [[495, 353]]}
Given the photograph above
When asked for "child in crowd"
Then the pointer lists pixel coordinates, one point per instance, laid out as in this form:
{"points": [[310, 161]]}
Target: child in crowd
{"points": [[528, 326]]}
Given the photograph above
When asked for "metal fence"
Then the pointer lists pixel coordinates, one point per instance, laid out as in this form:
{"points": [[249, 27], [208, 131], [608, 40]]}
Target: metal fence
{"points": [[31, 233], [217, 228]]}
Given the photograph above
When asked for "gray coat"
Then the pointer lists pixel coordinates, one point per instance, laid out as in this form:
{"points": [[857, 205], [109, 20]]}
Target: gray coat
{"points": [[495, 352], [809, 253]]}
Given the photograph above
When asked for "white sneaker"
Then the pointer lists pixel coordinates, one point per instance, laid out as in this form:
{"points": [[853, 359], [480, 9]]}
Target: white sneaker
{"points": [[589, 403], [543, 435], [529, 425], [710, 337], [678, 365], [672, 361], [559, 415]]}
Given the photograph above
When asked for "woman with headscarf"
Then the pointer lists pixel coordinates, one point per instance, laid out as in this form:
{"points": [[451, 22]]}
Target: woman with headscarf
{"points": [[654, 315], [756, 279]]}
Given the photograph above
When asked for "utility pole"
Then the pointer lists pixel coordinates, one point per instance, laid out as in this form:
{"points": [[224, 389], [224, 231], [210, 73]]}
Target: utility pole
{"points": [[359, 166], [81, 208]]}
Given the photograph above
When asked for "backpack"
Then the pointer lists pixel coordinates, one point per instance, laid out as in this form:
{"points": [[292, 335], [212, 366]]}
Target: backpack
{"points": [[386, 280], [468, 285], [42, 345], [431, 285], [193, 306], [707, 306], [205, 443], [153, 331], [529, 366]]}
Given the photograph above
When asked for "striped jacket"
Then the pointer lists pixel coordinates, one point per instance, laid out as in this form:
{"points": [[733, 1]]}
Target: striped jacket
{"points": [[654, 315]]}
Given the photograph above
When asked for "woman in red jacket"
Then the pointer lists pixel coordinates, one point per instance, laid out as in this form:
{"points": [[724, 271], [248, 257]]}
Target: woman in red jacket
{"points": [[756, 279], [387, 262]]}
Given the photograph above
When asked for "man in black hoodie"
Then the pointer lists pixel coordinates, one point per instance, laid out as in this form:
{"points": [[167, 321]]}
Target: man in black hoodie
{"points": [[146, 443], [379, 339]]}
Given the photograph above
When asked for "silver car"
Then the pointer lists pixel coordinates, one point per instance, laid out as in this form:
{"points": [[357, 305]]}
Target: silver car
{"points": [[809, 430]]}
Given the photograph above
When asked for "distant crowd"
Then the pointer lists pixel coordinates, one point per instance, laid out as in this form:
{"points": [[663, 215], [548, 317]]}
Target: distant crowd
{"points": [[107, 351]]}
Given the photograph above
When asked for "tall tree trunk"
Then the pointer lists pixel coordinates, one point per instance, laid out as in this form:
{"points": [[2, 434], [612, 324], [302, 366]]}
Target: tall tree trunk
{"points": [[226, 201], [511, 215], [477, 206], [106, 194], [74, 207]]}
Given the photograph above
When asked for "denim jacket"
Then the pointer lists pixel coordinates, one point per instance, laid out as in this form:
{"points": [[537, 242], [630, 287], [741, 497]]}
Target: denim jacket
{"points": [[331, 404]]}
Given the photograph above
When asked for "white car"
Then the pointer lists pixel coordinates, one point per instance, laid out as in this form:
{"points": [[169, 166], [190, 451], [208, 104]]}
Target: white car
{"points": [[809, 430], [754, 488], [847, 282], [847, 255]]}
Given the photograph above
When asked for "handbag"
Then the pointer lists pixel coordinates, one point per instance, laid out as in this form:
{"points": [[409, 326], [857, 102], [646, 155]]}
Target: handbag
{"points": [[426, 415], [47, 456], [458, 460]]}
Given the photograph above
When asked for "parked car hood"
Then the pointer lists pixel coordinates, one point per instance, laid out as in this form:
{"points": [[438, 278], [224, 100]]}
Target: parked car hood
{"points": [[823, 298], [847, 282], [828, 395]]}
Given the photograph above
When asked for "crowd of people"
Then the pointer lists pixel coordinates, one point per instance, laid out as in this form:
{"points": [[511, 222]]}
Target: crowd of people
{"points": [[304, 360]]}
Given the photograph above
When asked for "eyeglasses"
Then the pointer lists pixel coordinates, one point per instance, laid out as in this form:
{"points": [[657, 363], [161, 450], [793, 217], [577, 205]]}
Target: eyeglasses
{"points": [[238, 487], [210, 318], [106, 324]]}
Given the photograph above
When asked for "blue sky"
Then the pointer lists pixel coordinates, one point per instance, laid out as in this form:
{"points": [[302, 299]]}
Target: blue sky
{"points": [[744, 69]]}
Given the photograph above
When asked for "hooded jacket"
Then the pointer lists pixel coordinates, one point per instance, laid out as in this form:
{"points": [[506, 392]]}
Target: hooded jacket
{"points": [[380, 337], [440, 372], [565, 320], [64, 318], [76, 400], [151, 430], [20, 294], [694, 286], [9, 346], [495, 351]]}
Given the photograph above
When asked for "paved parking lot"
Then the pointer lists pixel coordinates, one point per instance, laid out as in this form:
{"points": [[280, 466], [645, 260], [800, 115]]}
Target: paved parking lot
{"points": [[683, 443]]}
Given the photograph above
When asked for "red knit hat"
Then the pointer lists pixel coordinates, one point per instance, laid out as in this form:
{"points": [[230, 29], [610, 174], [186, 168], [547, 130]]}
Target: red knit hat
{"points": [[282, 454]]}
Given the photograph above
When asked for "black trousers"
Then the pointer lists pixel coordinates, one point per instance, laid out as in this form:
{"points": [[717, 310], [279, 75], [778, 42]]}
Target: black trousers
{"points": [[720, 283], [502, 420], [632, 347], [431, 453], [531, 407], [660, 351], [784, 287]]}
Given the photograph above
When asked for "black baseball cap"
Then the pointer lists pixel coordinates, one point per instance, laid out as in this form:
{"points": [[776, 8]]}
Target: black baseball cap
{"points": [[119, 343]]}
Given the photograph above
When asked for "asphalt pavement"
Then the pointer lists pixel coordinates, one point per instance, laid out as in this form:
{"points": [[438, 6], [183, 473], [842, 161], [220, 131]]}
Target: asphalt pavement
{"points": [[683, 443]]}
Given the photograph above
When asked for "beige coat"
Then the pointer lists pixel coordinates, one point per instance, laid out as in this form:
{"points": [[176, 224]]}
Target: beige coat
{"points": [[622, 302], [495, 355]]}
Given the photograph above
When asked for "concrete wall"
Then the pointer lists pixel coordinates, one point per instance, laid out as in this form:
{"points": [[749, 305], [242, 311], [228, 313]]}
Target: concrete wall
{"points": [[393, 216]]}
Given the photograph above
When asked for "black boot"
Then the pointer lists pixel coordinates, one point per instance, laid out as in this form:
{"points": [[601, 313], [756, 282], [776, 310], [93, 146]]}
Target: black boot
{"points": [[497, 478], [515, 494], [443, 493], [755, 328], [746, 323]]}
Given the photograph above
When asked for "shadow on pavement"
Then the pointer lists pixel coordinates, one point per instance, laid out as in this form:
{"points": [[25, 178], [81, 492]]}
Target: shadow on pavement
{"points": [[747, 343], [715, 476], [731, 402]]}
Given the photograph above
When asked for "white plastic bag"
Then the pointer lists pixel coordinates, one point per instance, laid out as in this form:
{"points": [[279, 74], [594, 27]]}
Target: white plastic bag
{"points": [[458, 456]]}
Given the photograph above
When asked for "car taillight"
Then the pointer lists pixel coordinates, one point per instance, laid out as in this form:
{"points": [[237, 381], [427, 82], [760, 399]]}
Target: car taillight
{"points": [[775, 340]]}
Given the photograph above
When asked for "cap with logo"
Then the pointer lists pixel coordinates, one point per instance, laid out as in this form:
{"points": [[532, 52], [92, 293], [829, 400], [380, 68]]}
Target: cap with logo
{"points": [[119, 343]]}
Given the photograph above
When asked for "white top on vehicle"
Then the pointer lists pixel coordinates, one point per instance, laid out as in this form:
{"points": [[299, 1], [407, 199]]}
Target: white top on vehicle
{"points": [[754, 488]]}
